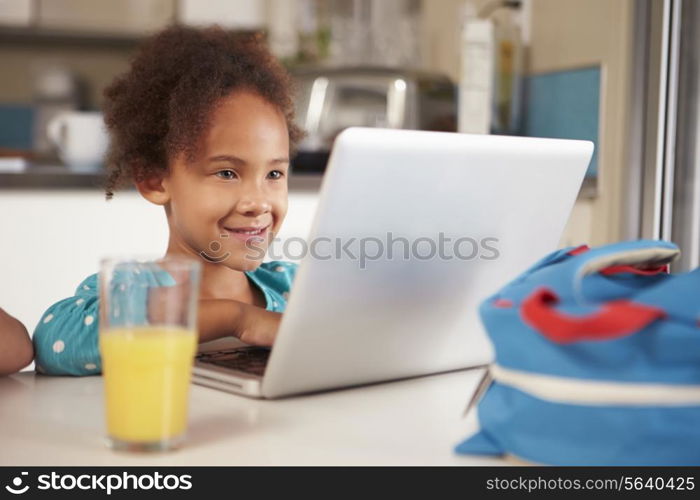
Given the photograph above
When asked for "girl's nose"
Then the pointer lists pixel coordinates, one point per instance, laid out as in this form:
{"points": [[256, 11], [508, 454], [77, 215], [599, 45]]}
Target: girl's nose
{"points": [[253, 205]]}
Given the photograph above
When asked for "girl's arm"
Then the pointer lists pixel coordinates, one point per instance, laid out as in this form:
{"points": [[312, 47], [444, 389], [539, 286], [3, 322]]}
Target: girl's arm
{"points": [[66, 338], [251, 324], [16, 350], [223, 318]]}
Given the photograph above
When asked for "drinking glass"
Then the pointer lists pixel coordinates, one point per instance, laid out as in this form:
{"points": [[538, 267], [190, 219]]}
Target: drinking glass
{"points": [[148, 339]]}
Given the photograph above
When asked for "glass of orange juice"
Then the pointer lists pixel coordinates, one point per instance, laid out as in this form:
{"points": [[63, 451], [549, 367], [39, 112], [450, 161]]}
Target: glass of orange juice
{"points": [[148, 340]]}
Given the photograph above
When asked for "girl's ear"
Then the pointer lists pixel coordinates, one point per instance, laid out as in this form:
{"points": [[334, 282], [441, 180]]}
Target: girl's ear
{"points": [[153, 189]]}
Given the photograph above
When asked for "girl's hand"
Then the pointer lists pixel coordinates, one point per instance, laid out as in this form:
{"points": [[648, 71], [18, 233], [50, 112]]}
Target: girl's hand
{"points": [[224, 318], [258, 326]]}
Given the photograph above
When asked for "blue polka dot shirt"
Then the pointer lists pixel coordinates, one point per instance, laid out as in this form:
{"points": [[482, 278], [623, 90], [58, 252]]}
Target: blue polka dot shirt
{"points": [[66, 338]]}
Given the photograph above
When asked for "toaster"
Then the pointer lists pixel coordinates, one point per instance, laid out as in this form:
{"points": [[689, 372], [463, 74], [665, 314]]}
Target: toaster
{"points": [[329, 100]]}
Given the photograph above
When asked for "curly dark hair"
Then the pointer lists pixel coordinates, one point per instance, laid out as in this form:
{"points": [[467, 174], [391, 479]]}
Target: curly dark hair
{"points": [[162, 106]]}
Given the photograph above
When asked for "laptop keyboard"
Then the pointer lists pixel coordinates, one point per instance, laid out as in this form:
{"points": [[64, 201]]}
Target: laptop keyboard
{"points": [[246, 359]]}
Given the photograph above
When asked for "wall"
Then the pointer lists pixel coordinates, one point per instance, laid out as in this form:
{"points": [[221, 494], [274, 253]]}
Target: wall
{"points": [[570, 34], [563, 35]]}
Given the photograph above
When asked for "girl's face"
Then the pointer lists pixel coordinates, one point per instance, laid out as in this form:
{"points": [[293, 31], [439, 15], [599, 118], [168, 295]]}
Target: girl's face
{"points": [[227, 205]]}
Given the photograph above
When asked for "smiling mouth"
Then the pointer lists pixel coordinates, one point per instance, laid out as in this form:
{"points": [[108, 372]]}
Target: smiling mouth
{"points": [[247, 231]]}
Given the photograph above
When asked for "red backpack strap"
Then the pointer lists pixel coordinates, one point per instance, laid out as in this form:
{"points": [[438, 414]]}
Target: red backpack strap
{"points": [[615, 319], [640, 271], [642, 256], [579, 250]]}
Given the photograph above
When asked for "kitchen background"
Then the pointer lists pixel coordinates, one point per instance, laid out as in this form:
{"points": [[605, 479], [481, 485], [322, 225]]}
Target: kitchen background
{"points": [[611, 71]]}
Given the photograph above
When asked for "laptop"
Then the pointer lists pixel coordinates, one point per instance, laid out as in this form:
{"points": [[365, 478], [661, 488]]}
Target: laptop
{"points": [[431, 224]]}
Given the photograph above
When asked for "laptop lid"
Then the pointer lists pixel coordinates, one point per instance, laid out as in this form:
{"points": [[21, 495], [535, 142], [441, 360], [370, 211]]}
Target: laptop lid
{"points": [[413, 230]]}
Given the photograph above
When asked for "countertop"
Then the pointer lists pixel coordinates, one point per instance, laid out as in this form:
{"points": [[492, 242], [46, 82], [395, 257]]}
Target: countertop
{"points": [[60, 420], [56, 177], [59, 177]]}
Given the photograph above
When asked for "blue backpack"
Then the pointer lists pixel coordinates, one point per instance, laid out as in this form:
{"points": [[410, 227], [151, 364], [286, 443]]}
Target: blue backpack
{"points": [[597, 361]]}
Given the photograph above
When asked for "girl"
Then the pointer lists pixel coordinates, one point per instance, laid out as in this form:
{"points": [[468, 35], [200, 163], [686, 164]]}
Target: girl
{"points": [[15, 346], [201, 124]]}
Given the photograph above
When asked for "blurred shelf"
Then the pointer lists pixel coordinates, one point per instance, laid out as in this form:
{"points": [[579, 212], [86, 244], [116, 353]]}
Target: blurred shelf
{"points": [[69, 37], [48, 36]]}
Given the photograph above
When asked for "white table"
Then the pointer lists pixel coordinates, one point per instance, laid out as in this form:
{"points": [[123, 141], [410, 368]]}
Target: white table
{"points": [[53, 421]]}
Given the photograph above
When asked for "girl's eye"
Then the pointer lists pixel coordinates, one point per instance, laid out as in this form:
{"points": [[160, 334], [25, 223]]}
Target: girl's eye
{"points": [[275, 174], [226, 174]]}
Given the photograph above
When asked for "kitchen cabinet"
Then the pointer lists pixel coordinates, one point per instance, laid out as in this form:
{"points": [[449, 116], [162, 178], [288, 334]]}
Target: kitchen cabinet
{"points": [[125, 16], [16, 12], [231, 14]]}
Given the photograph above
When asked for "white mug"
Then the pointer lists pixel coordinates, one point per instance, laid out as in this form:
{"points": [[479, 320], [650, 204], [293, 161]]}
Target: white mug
{"points": [[80, 137]]}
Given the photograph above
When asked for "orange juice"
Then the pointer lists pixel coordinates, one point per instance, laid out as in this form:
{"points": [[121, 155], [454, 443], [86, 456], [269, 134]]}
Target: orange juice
{"points": [[147, 374]]}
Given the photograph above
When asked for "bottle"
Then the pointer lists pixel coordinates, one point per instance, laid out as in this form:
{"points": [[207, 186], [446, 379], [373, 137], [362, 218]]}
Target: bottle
{"points": [[507, 96], [476, 79]]}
